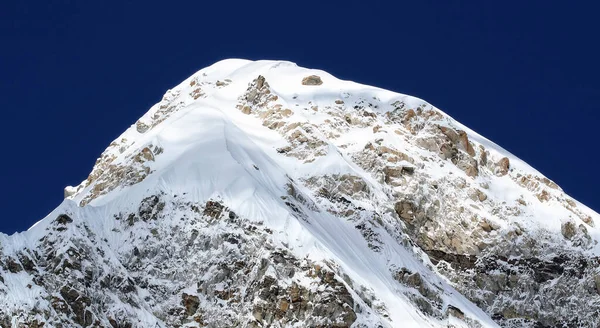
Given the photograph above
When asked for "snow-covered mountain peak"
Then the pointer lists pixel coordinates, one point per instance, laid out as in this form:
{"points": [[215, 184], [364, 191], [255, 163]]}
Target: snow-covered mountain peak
{"points": [[261, 193]]}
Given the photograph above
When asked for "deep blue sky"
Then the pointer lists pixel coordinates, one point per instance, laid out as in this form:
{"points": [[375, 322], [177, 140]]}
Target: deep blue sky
{"points": [[75, 74]]}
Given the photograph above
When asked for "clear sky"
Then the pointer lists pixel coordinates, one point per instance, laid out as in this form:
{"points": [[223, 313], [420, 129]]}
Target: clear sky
{"points": [[75, 74]]}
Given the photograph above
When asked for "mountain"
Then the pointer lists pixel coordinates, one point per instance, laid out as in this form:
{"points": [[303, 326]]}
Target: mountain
{"points": [[263, 194]]}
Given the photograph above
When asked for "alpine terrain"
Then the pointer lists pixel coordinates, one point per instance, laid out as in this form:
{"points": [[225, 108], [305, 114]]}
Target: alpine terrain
{"points": [[263, 194]]}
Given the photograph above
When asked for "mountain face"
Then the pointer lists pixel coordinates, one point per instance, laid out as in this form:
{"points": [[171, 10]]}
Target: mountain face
{"points": [[262, 194]]}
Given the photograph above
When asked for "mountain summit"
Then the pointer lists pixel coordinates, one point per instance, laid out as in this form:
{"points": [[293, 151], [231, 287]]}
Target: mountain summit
{"points": [[263, 194]]}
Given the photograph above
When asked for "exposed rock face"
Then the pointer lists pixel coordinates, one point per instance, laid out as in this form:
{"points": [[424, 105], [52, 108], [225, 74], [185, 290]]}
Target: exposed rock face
{"points": [[277, 288], [235, 202]]}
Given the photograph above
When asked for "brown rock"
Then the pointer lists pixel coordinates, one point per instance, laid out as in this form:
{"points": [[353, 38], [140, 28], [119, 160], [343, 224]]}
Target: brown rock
{"points": [[141, 127], [450, 133], [465, 144], [486, 226], [284, 305], [456, 312], [543, 196], [469, 165], [568, 229], [382, 150], [147, 154], [260, 81], [213, 209], [312, 80], [483, 157], [503, 166], [414, 280], [391, 172], [191, 304], [405, 210], [197, 93], [408, 116], [481, 195], [448, 150], [549, 183]]}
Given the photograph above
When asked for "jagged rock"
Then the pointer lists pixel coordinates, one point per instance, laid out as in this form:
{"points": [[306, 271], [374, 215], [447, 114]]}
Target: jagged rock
{"points": [[312, 80], [568, 229], [191, 304], [150, 208], [405, 210], [63, 219], [141, 127], [213, 209], [503, 166], [483, 160], [464, 142], [469, 165], [455, 312], [486, 226], [27, 263], [13, 266], [450, 133], [481, 195], [391, 173], [78, 304], [477, 194]]}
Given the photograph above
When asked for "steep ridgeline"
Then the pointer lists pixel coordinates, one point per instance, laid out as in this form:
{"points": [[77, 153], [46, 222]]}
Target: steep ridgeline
{"points": [[262, 194]]}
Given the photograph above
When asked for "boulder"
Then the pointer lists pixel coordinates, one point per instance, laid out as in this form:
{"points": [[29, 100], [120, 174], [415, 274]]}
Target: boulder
{"points": [[503, 166], [568, 229], [141, 127], [312, 80], [465, 144], [191, 303], [405, 210], [63, 219]]}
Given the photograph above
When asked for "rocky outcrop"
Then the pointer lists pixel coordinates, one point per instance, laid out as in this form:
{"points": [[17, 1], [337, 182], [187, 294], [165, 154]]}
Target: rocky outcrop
{"points": [[131, 170], [141, 127], [312, 80], [503, 166], [191, 303], [243, 271]]}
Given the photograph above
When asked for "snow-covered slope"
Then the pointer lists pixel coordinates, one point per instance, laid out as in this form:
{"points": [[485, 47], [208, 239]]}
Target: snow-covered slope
{"points": [[260, 193]]}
